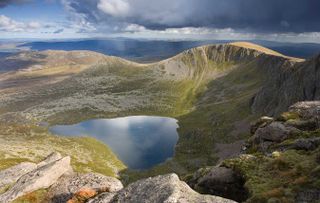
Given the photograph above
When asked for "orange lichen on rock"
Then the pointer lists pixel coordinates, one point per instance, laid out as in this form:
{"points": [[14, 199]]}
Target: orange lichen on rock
{"points": [[83, 195]]}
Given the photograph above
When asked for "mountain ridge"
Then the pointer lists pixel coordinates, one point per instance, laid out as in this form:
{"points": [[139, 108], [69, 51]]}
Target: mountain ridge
{"points": [[214, 91]]}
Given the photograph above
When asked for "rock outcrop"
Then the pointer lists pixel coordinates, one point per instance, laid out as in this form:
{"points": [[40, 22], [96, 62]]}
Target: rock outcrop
{"points": [[63, 185], [54, 156], [42, 177], [11, 175], [299, 125], [162, 189], [220, 181], [67, 186]]}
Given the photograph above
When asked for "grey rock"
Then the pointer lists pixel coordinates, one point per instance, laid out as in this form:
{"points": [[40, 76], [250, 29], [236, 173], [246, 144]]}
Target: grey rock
{"points": [[308, 195], [273, 132], [163, 189], [12, 174], [307, 125], [264, 146], [105, 197], [67, 186], [54, 156], [307, 109], [223, 182], [307, 144], [42, 177]]}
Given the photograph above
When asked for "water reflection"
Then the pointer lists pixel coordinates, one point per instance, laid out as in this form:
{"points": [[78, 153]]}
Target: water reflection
{"points": [[139, 141]]}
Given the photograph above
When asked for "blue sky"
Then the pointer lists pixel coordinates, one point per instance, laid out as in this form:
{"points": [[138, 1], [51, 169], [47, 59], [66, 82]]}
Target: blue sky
{"points": [[36, 10], [48, 17], [278, 20]]}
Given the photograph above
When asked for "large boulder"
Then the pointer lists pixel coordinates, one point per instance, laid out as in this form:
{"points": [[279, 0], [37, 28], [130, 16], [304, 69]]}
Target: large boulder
{"points": [[221, 181], [11, 175], [307, 109], [274, 132], [306, 144], [305, 125], [162, 189], [65, 188], [40, 178]]}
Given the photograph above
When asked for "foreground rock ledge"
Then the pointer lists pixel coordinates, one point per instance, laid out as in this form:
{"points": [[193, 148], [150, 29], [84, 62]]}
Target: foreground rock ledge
{"points": [[165, 188], [55, 174], [39, 178]]}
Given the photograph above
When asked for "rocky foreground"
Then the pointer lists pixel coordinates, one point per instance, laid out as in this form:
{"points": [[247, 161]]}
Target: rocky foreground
{"points": [[56, 176], [280, 162]]}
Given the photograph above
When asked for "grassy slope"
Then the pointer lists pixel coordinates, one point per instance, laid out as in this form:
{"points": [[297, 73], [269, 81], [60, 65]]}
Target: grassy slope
{"points": [[32, 143], [208, 102]]}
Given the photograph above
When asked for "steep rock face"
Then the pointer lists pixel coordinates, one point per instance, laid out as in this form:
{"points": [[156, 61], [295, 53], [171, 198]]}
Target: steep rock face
{"points": [[288, 85], [209, 62]]}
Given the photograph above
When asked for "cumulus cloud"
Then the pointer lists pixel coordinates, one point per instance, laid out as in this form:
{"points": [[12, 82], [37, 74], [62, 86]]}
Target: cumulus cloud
{"points": [[252, 15], [116, 8], [232, 18], [10, 25]]}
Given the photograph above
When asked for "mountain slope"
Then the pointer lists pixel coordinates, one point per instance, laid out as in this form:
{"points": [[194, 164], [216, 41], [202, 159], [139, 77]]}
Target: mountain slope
{"points": [[215, 91]]}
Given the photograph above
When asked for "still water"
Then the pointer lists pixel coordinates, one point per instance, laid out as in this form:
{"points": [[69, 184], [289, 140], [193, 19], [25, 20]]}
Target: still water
{"points": [[139, 141]]}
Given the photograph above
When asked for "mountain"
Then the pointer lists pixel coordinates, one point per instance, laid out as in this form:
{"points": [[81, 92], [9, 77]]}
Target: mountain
{"points": [[140, 50], [215, 91]]}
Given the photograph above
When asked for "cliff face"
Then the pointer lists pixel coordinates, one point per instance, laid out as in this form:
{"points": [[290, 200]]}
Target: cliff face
{"points": [[288, 84]]}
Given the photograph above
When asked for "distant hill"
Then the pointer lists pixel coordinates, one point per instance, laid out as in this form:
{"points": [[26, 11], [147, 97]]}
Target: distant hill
{"points": [[156, 50]]}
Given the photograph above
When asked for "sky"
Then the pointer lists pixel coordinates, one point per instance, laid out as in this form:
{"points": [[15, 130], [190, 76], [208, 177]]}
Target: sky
{"points": [[276, 20]]}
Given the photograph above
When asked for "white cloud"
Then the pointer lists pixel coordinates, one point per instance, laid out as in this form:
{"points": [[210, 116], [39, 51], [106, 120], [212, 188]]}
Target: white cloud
{"points": [[77, 21], [10, 25], [34, 25], [116, 8], [134, 28]]}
